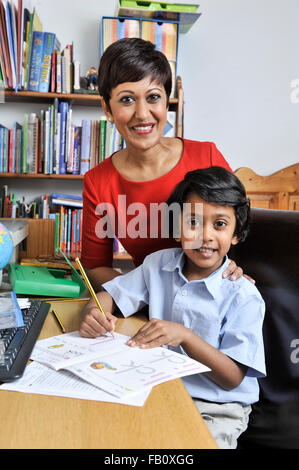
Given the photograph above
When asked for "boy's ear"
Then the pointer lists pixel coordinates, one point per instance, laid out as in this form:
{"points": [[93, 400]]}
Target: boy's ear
{"points": [[235, 240]]}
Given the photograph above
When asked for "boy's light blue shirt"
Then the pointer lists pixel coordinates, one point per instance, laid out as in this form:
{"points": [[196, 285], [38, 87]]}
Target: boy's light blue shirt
{"points": [[227, 314]]}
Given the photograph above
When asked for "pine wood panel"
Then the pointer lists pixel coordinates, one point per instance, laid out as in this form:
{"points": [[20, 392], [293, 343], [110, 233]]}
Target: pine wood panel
{"points": [[279, 190]]}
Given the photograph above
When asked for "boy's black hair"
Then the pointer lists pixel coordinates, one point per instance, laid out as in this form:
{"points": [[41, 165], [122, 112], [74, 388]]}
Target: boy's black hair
{"points": [[131, 60], [215, 185]]}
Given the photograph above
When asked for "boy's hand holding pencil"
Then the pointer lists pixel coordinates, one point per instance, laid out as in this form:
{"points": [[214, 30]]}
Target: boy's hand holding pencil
{"points": [[97, 317]]}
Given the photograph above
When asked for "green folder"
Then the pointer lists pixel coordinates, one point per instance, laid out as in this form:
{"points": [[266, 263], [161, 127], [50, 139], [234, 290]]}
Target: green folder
{"points": [[31, 280]]}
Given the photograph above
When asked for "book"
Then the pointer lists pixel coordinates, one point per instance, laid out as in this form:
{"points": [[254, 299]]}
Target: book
{"points": [[58, 72], [69, 202], [63, 116], [34, 25], [48, 48], [77, 150], [10, 42], [76, 76], [103, 123], [36, 60], [25, 134], [31, 143], [110, 364], [85, 146]]}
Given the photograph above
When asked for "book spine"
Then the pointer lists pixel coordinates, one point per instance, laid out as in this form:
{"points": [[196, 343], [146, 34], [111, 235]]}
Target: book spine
{"points": [[85, 148], [42, 141], [35, 145], [63, 112], [46, 141], [53, 73], [10, 44], [25, 136], [36, 60], [57, 224], [10, 150], [66, 196], [68, 140], [57, 143], [77, 150], [103, 122], [58, 72], [30, 143], [76, 75], [1, 148], [44, 84]]}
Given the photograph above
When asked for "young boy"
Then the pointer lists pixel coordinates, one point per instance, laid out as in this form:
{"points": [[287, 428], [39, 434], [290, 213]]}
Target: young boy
{"points": [[192, 309]]}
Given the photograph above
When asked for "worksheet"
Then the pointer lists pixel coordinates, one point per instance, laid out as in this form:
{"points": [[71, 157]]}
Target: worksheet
{"points": [[42, 380], [109, 364]]}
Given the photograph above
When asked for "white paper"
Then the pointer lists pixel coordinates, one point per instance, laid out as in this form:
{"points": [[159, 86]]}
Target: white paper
{"points": [[108, 363], [40, 379], [63, 350]]}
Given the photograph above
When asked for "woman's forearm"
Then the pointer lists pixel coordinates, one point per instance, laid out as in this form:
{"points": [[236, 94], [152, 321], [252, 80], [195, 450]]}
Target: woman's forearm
{"points": [[99, 276]]}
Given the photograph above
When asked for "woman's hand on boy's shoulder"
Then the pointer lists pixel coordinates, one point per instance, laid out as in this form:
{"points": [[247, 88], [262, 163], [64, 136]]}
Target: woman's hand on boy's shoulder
{"points": [[235, 272]]}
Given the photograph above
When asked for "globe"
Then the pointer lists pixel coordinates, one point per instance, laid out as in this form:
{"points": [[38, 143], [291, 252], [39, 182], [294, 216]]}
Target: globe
{"points": [[6, 246]]}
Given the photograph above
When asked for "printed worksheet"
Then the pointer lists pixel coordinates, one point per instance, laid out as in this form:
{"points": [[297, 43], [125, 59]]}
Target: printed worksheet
{"points": [[109, 364], [136, 369], [70, 348], [42, 380]]}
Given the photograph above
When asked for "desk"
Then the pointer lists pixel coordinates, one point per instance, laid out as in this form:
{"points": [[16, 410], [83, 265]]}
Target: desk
{"points": [[168, 420]]}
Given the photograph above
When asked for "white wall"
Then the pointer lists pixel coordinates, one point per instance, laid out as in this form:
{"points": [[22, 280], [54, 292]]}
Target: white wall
{"points": [[236, 62]]}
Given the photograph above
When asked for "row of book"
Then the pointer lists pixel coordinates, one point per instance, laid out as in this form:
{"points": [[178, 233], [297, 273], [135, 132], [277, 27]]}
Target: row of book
{"points": [[31, 59], [41, 208], [161, 33], [52, 70], [50, 143], [66, 210], [68, 229]]}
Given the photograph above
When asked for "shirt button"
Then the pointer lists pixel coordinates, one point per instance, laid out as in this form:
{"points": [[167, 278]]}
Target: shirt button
{"points": [[184, 292]]}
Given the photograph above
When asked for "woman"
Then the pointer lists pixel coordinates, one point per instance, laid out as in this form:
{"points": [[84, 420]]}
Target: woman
{"points": [[135, 84]]}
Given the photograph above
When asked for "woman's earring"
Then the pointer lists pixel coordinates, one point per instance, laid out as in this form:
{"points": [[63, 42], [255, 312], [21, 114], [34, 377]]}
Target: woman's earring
{"points": [[110, 119]]}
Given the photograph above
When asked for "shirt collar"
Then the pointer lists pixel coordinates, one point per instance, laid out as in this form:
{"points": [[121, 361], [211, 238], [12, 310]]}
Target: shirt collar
{"points": [[212, 282]]}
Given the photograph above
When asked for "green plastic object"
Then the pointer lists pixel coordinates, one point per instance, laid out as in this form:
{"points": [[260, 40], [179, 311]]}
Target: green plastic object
{"points": [[31, 280], [144, 5]]}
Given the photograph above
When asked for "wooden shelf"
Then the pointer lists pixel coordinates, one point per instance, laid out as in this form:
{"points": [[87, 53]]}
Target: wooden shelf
{"points": [[41, 176], [75, 98]]}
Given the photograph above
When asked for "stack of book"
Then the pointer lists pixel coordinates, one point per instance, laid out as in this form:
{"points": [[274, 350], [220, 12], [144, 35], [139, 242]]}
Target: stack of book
{"points": [[50, 143], [31, 59], [68, 222]]}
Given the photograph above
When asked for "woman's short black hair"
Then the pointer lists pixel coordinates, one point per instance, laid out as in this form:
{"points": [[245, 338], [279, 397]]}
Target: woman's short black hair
{"points": [[131, 60], [215, 185]]}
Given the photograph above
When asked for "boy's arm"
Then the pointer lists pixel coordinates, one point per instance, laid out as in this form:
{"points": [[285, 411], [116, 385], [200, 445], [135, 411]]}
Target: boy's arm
{"points": [[93, 323], [225, 372]]}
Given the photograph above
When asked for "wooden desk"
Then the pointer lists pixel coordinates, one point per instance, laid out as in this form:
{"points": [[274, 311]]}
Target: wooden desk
{"points": [[168, 420]]}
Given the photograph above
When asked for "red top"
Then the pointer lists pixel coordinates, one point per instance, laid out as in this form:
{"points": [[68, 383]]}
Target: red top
{"points": [[105, 184]]}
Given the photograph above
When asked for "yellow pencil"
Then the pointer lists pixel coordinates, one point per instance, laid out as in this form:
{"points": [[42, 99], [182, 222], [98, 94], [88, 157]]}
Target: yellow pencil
{"points": [[87, 282], [59, 321]]}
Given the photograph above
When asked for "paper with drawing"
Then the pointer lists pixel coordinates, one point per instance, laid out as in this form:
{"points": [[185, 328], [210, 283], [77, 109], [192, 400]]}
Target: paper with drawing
{"points": [[108, 363]]}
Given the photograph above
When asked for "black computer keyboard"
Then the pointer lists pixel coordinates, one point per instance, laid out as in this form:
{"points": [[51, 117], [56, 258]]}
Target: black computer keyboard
{"points": [[19, 342]]}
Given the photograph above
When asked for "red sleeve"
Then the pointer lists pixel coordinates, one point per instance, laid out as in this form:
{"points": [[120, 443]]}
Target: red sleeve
{"points": [[217, 159], [95, 251]]}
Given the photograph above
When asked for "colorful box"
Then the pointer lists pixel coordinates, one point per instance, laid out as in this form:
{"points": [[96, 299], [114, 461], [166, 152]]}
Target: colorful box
{"points": [[165, 34]]}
